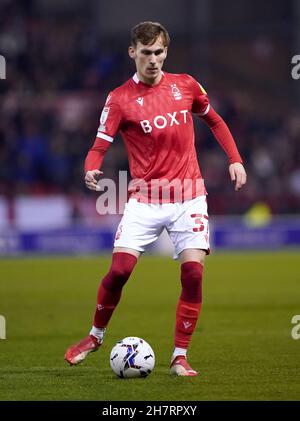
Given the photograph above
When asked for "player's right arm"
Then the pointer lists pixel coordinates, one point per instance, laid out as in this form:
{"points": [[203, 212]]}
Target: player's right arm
{"points": [[93, 162], [110, 121]]}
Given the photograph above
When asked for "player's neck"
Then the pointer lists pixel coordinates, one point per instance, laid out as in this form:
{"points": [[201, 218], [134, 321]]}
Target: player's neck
{"points": [[147, 81]]}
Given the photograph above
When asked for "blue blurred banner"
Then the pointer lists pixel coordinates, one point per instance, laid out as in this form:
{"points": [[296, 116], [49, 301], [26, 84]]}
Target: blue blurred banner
{"points": [[77, 240], [236, 235], [226, 233]]}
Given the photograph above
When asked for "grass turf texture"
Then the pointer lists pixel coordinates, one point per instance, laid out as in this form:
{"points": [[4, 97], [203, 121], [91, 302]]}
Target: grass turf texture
{"points": [[242, 345]]}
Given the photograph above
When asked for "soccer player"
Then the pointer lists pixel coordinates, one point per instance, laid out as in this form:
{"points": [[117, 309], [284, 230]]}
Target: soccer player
{"points": [[153, 112]]}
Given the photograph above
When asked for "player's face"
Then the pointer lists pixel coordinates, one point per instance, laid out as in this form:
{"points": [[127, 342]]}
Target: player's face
{"points": [[149, 60]]}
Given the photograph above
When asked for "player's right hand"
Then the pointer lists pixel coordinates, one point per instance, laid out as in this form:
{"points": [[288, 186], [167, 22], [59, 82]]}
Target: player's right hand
{"points": [[91, 179]]}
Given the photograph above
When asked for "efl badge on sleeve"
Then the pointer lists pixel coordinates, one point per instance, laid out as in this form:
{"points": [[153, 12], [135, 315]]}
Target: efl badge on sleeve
{"points": [[202, 89], [104, 115]]}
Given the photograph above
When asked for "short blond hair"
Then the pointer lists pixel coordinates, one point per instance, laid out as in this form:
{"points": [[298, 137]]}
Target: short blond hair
{"points": [[148, 32]]}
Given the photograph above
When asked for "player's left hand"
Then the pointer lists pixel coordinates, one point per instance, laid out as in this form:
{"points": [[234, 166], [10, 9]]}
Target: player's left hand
{"points": [[238, 174]]}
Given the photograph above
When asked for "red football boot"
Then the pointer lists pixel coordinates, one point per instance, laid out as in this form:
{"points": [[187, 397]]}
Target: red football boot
{"points": [[180, 367], [78, 352]]}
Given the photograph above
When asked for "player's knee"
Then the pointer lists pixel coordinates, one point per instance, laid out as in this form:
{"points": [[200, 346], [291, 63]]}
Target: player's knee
{"points": [[116, 279], [191, 272], [120, 270], [120, 275], [191, 281]]}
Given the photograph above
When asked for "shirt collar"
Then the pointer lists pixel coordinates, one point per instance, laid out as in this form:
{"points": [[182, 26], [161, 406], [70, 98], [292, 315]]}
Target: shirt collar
{"points": [[137, 80]]}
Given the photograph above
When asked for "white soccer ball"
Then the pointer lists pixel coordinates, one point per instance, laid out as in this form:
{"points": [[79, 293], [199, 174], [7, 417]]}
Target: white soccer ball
{"points": [[132, 357]]}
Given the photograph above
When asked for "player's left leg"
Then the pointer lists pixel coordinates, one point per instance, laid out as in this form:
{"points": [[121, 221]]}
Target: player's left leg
{"points": [[188, 309], [190, 236]]}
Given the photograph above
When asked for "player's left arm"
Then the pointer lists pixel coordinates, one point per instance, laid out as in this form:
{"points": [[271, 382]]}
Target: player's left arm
{"points": [[221, 132], [238, 174], [223, 135]]}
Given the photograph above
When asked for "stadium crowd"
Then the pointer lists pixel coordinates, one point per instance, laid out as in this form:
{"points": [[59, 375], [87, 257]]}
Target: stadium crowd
{"points": [[58, 75]]}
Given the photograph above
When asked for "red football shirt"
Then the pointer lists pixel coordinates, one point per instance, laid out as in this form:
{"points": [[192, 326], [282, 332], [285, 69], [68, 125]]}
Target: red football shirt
{"points": [[157, 127]]}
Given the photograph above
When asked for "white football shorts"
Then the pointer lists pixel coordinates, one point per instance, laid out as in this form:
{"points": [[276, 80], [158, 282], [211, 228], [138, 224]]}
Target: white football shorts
{"points": [[186, 224]]}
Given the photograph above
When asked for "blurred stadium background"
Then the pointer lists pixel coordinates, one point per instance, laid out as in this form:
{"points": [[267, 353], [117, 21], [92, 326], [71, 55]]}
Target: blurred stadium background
{"points": [[62, 59]]}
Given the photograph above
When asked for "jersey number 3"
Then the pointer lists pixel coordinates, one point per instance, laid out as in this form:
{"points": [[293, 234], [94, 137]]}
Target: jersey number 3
{"points": [[198, 220]]}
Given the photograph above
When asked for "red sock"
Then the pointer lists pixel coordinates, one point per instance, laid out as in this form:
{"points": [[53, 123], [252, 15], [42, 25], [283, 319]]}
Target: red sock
{"points": [[110, 289], [186, 320], [189, 304]]}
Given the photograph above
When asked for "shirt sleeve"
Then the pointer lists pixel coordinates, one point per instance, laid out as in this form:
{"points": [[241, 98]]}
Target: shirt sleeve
{"points": [[94, 158], [200, 98], [110, 119], [201, 107], [223, 135]]}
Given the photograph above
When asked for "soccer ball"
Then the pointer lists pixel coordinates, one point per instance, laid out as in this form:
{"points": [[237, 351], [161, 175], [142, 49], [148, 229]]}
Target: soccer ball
{"points": [[132, 357]]}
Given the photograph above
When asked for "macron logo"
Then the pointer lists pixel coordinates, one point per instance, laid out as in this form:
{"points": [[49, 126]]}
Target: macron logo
{"points": [[187, 324], [140, 100]]}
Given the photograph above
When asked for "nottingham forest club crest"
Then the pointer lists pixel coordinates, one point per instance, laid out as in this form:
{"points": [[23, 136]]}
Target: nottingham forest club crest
{"points": [[176, 92]]}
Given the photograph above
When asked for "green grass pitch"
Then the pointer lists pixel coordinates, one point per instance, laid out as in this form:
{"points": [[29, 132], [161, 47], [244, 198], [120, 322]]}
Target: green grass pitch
{"points": [[242, 346]]}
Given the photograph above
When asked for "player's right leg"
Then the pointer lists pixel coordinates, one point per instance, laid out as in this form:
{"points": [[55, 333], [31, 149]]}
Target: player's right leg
{"points": [[139, 227], [109, 294]]}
